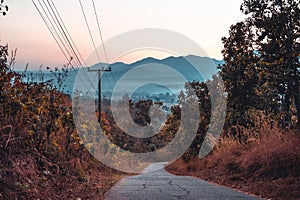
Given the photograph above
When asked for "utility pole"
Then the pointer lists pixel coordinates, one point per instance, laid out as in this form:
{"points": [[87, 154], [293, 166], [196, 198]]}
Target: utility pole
{"points": [[99, 71]]}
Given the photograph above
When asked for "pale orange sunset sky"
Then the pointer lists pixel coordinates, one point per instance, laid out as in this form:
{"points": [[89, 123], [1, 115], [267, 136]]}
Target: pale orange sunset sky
{"points": [[204, 21]]}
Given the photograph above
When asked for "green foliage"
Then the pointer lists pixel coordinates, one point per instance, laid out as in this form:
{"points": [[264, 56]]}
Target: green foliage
{"points": [[261, 55], [199, 90], [240, 72], [139, 112]]}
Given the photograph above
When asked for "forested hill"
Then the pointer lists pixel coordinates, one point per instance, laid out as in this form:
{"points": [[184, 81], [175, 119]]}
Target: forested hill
{"points": [[183, 65]]}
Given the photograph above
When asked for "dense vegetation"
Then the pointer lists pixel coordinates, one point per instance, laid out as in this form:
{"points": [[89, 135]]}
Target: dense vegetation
{"points": [[261, 55], [41, 154], [259, 151]]}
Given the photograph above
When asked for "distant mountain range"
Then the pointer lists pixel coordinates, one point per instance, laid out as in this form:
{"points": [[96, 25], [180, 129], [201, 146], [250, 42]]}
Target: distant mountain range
{"points": [[161, 71]]}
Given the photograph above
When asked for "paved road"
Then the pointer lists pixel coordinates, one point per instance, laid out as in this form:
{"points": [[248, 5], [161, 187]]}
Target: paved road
{"points": [[158, 185]]}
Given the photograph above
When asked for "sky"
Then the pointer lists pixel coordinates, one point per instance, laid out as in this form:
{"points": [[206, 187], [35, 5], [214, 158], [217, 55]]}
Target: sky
{"points": [[203, 21]]}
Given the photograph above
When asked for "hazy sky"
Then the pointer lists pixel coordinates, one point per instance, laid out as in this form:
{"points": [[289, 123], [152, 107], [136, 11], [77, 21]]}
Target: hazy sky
{"points": [[204, 21]]}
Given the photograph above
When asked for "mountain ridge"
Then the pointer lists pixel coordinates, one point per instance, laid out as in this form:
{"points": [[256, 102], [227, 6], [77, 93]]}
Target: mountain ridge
{"points": [[187, 66]]}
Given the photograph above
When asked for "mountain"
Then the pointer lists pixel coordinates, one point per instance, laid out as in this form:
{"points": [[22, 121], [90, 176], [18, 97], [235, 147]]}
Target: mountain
{"points": [[148, 76]]}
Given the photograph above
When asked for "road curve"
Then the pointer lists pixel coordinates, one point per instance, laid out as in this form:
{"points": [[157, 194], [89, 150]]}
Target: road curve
{"points": [[160, 184]]}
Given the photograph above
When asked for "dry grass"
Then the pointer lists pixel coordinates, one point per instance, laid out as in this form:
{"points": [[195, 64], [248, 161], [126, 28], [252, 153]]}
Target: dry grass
{"points": [[267, 164], [41, 153]]}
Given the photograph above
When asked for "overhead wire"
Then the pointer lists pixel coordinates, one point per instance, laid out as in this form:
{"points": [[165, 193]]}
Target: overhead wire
{"points": [[100, 32], [62, 42], [89, 30], [102, 40], [93, 41], [50, 30], [68, 35], [51, 20], [63, 39], [65, 35]]}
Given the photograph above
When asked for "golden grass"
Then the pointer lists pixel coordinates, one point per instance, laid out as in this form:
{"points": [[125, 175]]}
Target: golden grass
{"points": [[266, 163]]}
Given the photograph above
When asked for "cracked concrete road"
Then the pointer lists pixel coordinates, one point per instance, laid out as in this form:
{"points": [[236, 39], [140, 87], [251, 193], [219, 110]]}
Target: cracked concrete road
{"points": [[162, 185]]}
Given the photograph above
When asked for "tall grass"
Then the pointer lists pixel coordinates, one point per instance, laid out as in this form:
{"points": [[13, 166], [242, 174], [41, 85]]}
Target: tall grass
{"points": [[266, 162]]}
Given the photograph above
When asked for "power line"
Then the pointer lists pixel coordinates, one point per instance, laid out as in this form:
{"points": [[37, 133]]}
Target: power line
{"points": [[62, 37], [65, 35], [56, 32], [100, 32], [59, 16], [89, 30], [53, 26], [101, 36], [69, 38], [56, 35], [92, 38], [46, 23]]}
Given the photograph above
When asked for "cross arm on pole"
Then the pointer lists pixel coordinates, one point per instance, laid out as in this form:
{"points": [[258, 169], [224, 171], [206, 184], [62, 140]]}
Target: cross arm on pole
{"points": [[99, 71]]}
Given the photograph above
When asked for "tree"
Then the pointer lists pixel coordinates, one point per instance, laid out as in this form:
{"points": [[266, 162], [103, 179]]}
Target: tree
{"points": [[239, 72], [261, 57], [196, 90], [277, 25]]}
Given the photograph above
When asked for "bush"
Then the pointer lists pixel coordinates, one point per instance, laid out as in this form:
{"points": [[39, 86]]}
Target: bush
{"points": [[41, 155]]}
